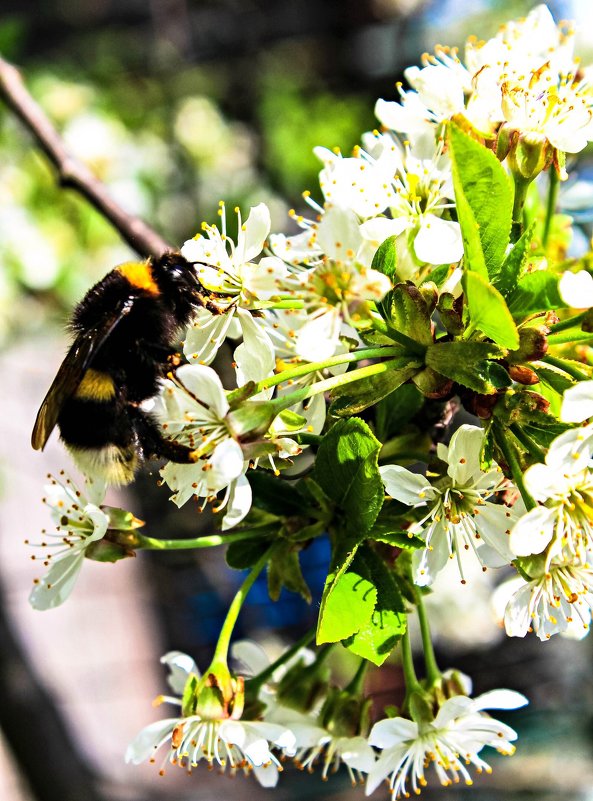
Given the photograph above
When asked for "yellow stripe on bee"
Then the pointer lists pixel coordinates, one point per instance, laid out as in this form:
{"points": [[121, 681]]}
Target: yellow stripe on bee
{"points": [[139, 275], [96, 386]]}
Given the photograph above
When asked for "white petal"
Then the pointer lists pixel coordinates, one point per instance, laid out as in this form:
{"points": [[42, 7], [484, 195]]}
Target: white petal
{"points": [[428, 563], [576, 289], [144, 745], [99, 520], [204, 338], [203, 383], [320, 335], [251, 656], [438, 241], [533, 531], [338, 234], [388, 763], [500, 699], [577, 403], [571, 451], [255, 356], [517, 619], [253, 233], [57, 584], [543, 480], [266, 775], [464, 453], [297, 249], [239, 503], [392, 731], [180, 667], [225, 464], [357, 753], [412, 489], [262, 280]]}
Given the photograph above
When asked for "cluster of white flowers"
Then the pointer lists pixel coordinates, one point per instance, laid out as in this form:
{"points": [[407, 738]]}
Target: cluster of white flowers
{"points": [[304, 307], [451, 741], [525, 80]]}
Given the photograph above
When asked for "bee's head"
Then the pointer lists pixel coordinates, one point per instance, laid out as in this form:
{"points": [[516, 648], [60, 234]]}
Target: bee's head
{"points": [[178, 281]]}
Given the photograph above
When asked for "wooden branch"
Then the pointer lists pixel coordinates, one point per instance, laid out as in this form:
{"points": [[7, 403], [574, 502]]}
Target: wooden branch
{"points": [[71, 172]]}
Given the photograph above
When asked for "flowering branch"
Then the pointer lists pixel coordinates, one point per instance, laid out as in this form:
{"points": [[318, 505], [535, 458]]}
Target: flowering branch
{"points": [[71, 172]]}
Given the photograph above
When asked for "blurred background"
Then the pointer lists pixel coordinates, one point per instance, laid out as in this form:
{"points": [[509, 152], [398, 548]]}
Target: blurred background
{"points": [[177, 104]]}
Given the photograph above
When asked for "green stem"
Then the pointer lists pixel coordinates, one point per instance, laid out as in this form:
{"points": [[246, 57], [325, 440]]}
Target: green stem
{"points": [[286, 401], [139, 541], [532, 447], [521, 187], [570, 337], [409, 344], [568, 368], [314, 367], [308, 439], [433, 674], [551, 205], [410, 678], [570, 322], [514, 466], [281, 303], [222, 647], [357, 681], [256, 682]]}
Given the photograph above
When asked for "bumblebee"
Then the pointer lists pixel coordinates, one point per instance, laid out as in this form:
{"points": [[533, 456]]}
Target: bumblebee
{"points": [[124, 329]]}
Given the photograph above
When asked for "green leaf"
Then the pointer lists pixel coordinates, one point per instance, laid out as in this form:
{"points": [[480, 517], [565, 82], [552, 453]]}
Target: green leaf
{"points": [[466, 363], [396, 410], [440, 274], [274, 494], [347, 604], [121, 519], [409, 313], [346, 470], [292, 421], [553, 377], [376, 638], [385, 261], [383, 532], [385, 258], [284, 570], [536, 291], [489, 312], [354, 398], [245, 553], [508, 276], [484, 201]]}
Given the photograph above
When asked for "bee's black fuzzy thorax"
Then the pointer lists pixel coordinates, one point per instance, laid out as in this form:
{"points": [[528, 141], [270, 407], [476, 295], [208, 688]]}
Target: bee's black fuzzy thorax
{"points": [[125, 328]]}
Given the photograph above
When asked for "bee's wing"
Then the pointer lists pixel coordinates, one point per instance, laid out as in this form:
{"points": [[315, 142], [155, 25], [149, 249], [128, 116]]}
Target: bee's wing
{"points": [[72, 369]]}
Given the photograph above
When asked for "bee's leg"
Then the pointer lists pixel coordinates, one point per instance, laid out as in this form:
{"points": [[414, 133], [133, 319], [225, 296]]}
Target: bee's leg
{"points": [[154, 444]]}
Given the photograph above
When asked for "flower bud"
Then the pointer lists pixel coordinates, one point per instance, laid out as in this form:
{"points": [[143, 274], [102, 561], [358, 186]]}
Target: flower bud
{"points": [[523, 375], [302, 687], [528, 155], [533, 345], [345, 714], [251, 420]]}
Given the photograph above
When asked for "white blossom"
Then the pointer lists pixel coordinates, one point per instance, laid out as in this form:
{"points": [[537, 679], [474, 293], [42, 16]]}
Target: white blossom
{"points": [[457, 516], [563, 520], [229, 269], [192, 410], [451, 742], [79, 522], [558, 598], [231, 743]]}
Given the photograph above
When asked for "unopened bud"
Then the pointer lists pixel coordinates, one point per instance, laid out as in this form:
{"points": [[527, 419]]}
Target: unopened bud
{"points": [[251, 420], [529, 155], [523, 375]]}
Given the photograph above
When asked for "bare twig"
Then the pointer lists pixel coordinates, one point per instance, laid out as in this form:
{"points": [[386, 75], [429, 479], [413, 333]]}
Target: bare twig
{"points": [[71, 172]]}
